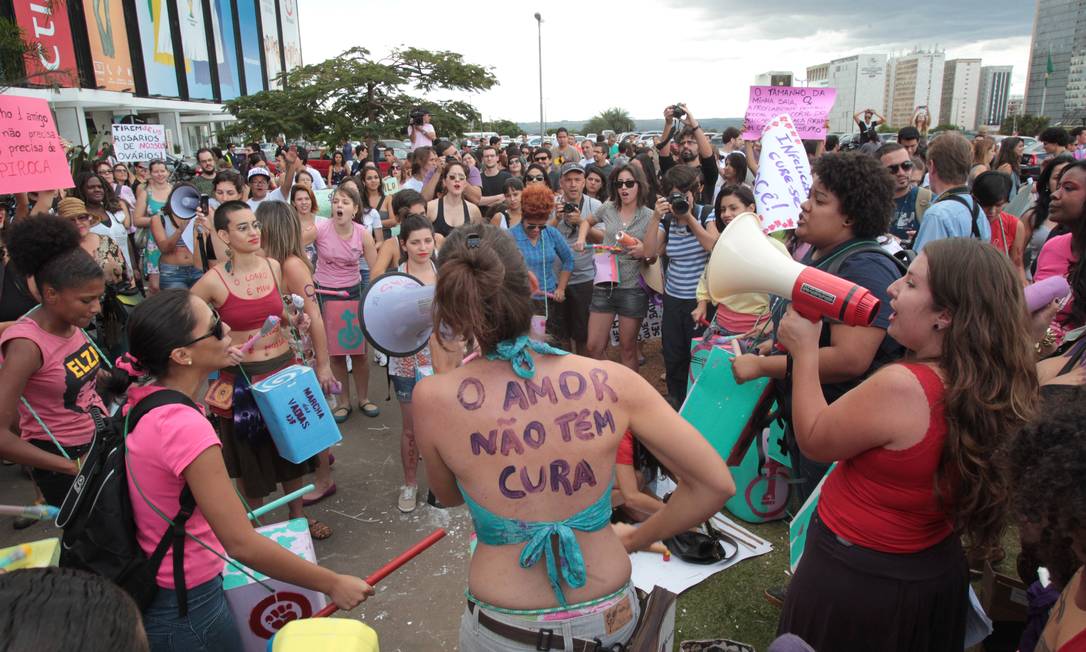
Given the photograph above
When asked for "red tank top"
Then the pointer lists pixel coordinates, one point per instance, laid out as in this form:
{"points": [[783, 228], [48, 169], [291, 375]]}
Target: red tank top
{"points": [[885, 499], [249, 314]]}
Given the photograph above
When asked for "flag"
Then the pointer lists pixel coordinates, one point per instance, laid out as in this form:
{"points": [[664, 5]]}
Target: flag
{"points": [[1049, 68]]}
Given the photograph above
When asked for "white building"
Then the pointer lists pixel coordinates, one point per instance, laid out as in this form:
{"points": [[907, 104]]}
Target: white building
{"points": [[914, 80], [995, 90], [774, 78], [961, 89], [859, 81]]}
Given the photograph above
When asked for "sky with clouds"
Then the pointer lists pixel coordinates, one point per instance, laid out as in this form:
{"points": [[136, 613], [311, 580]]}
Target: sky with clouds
{"points": [[642, 55]]}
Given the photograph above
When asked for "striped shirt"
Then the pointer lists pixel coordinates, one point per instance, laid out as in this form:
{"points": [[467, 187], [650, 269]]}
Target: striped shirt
{"points": [[540, 257], [686, 260]]}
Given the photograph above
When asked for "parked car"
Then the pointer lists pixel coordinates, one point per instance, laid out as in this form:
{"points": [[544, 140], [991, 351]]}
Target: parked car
{"points": [[1033, 157], [401, 151]]}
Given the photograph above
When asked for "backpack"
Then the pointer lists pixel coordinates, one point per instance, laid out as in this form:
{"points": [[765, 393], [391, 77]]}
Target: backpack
{"points": [[974, 210], [97, 519], [902, 258]]}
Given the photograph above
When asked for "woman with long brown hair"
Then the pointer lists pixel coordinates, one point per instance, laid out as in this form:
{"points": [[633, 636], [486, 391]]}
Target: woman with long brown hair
{"points": [[916, 449], [536, 490]]}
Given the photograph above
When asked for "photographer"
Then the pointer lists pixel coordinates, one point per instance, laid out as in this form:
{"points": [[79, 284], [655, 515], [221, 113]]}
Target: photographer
{"points": [[419, 131], [695, 149], [574, 206], [686, 234]]}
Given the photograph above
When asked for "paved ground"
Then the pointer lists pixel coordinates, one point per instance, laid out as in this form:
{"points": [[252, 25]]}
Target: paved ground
{"points": [[416, 608]]}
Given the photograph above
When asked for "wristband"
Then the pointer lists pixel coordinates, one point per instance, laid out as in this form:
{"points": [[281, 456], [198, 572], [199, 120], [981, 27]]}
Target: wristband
{"points": [[696, 127], [788, 366]]}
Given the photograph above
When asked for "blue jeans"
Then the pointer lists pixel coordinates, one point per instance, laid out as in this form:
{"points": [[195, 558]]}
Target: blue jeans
{"points": [[171, 277], [209, 625]]}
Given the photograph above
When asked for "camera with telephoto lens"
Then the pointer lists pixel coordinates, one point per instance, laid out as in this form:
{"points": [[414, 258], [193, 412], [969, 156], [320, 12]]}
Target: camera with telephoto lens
{"points": [[678, 202], [677, 111], [417, 115]]}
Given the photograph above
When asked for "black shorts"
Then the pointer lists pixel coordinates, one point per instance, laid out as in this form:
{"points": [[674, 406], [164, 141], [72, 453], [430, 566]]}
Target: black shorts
{"points": [[575, 311]]}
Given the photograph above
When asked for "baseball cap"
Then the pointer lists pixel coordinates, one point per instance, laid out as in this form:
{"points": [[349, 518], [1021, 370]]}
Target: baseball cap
{"points": [[258, 172], [570, 167]]}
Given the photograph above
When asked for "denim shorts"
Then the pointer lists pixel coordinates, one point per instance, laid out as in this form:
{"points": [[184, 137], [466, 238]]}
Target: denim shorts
{"points": [[625, 302], [209, 625], [171, 277], [404, 387], [592, 623]]}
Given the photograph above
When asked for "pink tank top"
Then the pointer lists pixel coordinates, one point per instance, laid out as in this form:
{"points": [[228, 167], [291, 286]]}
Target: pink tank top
{"points": [[62, 390]]}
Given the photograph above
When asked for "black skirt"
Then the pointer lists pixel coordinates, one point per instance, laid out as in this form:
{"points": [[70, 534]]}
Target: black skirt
{"points": [[845, 597]]}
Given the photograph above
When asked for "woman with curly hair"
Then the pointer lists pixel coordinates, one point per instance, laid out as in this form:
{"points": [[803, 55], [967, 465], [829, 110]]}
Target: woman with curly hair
{"points": [[1048, 462], [544, 248], [916, 448], [850, 205]]}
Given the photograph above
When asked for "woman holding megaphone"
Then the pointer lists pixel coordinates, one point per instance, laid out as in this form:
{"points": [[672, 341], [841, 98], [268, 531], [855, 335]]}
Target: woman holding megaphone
{"points": [[526, 435], [917, 448]]}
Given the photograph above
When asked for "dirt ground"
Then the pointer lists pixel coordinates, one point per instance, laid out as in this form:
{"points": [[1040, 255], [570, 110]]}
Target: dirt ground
{"points": [[419, 606]]}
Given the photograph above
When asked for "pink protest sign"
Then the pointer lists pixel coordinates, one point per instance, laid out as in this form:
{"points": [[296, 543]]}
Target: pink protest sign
{"points": [[32, 155], [342, 328], [784, 175], [807, 106]]}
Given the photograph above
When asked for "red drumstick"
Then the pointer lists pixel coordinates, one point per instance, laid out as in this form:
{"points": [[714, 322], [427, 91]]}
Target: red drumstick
{"points": [[384, 571]]}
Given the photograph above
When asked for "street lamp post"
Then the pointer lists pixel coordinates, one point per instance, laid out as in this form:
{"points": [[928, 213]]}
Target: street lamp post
{"points": [[542, 126]]}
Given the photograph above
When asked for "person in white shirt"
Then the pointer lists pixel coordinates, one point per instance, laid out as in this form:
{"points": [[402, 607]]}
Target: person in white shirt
{"points": [[422, 134], [259, 182]]}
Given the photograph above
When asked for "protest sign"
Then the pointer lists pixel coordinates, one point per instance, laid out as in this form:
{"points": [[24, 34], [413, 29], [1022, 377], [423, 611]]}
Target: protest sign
{"points": [[784, 176], [807, 106], [139, 142], [32, 155], [341, 326]]}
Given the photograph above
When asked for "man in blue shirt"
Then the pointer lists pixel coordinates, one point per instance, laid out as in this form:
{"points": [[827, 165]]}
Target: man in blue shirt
{"points": [[953, 214]]}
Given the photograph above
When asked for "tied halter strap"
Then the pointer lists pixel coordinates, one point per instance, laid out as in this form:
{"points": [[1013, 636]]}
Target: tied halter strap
{"points": [[496, 530], [518, 353]]}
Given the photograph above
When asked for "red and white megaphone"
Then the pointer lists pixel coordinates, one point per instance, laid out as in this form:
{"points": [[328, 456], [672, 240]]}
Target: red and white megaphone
{"points": [[743, 261]]}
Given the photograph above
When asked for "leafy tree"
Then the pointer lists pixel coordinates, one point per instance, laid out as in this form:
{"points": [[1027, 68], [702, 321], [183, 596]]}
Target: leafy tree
{"points": [[1026, 124], [356, 94], [885, 129], [502, 128], [17, 54], [945, 127], [615, 119]]}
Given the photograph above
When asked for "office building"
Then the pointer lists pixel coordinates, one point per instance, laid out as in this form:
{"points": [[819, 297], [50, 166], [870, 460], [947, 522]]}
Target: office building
{"points": [[859, 81], [774, 78], [995, 90], [1056, 79], [1016, 105], [155, 61], [961, 86], [914, 80]]}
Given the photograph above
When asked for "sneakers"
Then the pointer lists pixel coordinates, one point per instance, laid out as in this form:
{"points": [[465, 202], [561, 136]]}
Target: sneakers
{"points": [[408, 494]]}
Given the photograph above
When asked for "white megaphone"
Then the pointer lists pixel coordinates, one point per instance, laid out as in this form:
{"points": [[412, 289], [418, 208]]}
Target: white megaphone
{"points": [[396, 314], [743, 261], [183, 200]]}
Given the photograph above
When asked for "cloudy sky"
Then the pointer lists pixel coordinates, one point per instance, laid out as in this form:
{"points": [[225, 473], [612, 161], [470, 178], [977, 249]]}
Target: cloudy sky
{"points": [[644, 54]]}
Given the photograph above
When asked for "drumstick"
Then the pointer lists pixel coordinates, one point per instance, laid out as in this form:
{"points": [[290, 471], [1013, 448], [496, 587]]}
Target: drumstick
{"points": [[20, 553], [383, 572], [269, 325], [332, 293], [39, 512], [279, 502]]}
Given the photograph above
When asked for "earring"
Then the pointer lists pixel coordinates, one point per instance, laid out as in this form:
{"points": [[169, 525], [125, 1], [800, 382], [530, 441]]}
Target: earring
{"points": [[935, 327]]}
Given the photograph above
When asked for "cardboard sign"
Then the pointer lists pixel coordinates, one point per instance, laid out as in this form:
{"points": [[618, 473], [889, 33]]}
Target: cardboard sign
{"points": [[258, 613], [784, 176], [807, 106], [341, 325], [650, 325], [139, 142], [31, 154], [297, 414]]}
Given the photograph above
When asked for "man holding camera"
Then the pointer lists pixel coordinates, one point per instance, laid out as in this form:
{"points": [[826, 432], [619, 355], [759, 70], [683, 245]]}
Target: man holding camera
{"points": [[420, 132], [695, 150], [575, 207]]}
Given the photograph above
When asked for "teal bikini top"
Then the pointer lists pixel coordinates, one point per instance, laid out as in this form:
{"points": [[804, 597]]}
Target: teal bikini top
{"points": [[496, 530]]}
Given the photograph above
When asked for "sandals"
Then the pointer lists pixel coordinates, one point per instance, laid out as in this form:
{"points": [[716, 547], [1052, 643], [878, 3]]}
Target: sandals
{"points": [[369, 408], [319, 531], [341, 414]]}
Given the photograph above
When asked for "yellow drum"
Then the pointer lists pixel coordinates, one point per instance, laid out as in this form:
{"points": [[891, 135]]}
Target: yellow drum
{"points": [[324, 635]]}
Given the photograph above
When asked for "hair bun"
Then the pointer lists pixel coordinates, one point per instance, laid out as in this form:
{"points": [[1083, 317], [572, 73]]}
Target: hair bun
{"points": [[33, 242]]}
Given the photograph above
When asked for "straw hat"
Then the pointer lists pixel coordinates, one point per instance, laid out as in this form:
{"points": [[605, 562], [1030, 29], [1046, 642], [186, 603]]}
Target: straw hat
{"points": [[70, 207]]}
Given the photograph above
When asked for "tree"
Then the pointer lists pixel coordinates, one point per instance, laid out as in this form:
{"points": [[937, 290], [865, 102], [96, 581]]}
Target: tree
{"points": [[1026, 124], [355, 94], [615, 119], [502, 128], [18, 52]]}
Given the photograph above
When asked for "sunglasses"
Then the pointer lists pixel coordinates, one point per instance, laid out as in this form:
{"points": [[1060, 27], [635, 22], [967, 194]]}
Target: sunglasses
{"points": [[533, 177], [905, 165], [629, 183], [215, 331], [81, 218], [541, 159], [456, 177], [533, 227]]}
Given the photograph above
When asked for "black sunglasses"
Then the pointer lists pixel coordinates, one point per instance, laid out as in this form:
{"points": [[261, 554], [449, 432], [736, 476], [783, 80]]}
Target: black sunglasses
{"points": [[533, 177], [904, 165], [216, 330], [541, 159], [629, 183], [533, 227]]}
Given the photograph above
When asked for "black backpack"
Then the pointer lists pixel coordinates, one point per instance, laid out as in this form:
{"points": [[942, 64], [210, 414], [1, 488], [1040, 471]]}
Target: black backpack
{"points": [[99, 528], [902, 258]]}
